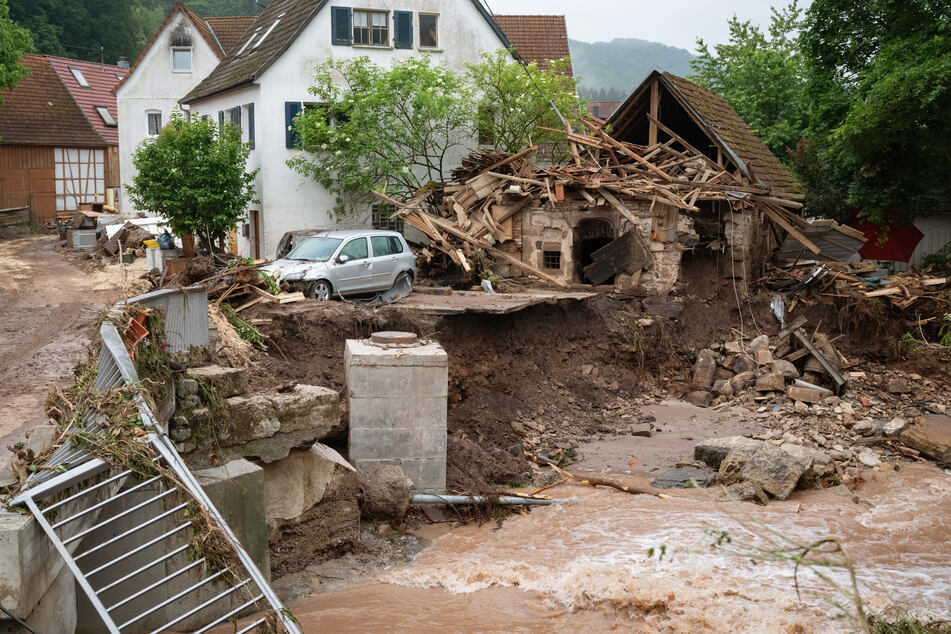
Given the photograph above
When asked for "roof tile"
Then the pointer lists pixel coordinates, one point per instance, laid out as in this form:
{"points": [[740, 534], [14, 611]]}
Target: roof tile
{"points": [[230, 29], [40, 110], [536, 38]]}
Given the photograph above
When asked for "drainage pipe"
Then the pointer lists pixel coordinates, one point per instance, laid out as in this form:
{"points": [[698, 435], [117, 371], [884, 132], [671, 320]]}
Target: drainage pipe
{"points": [[427, 498]]}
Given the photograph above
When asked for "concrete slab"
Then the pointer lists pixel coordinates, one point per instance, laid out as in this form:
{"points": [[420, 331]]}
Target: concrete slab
{"points": [[460, 302]]}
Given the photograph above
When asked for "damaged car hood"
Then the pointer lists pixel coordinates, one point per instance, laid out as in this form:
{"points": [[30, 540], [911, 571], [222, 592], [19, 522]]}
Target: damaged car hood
{"points": [[295, 270]]}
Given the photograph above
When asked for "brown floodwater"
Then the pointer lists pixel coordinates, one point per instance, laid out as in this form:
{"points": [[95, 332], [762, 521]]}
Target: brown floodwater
{"points": [[585, 566]]}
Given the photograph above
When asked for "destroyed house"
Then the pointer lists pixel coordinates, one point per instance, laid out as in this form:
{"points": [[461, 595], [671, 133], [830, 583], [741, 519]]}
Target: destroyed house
{"points": [[677, 172], [710, 205], [59, 137]]}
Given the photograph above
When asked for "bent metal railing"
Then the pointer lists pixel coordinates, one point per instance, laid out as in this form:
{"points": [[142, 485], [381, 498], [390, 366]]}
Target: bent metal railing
{"points": [[137, 566]]}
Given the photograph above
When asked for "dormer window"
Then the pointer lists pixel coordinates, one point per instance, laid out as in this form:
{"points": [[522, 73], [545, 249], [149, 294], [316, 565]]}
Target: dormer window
{"points": [[182, 59], [106, 117], [80, 78]]}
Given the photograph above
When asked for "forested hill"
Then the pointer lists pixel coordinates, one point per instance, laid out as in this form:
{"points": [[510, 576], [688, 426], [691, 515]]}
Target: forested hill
{"points": [[611, 70], [78, 28]]}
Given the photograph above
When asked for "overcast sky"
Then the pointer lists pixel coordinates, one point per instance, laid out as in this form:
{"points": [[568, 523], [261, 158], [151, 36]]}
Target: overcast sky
{"points": [[673, 22]]}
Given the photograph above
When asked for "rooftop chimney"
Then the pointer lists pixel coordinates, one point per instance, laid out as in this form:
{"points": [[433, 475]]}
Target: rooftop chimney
{"points": [[122, 63]]}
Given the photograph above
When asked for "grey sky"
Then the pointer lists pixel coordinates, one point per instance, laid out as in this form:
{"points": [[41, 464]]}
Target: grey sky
{"points": [[673, 22]]}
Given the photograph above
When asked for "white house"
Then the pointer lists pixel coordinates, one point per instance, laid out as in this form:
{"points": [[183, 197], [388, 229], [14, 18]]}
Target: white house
{"points": [[261, 84], [183, 51]]}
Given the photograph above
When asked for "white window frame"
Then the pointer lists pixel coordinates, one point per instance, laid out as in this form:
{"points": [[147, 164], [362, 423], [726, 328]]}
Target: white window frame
{"points": [[79, 77], [387, 40], [179, 49], [107, 119], [148, 122], [419, 29]]}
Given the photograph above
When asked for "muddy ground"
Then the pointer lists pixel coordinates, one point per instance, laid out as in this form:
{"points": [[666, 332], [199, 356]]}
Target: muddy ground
{"points": [[50, 302]]}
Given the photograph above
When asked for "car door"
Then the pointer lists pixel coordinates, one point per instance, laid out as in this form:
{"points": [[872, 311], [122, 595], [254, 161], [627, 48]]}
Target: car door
{"points": [[385, 262], [356, 274]]}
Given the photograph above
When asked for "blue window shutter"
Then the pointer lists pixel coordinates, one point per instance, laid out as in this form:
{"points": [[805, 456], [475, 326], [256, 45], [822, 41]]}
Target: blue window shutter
{"points": [[221, 120], [403, 29], [341, 26], [251, 125], [291, 110]]}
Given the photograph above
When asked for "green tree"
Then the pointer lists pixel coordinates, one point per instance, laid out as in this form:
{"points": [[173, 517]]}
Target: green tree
{"points": [[196, 177], [880, 122], [762, 76], [514, 100], [78, 28], [394, 128], [15, 42]]}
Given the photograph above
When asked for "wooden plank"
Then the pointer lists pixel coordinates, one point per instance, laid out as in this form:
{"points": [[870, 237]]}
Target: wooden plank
{"points": [[611, 259], [891, 290], [795, 233], [617, 204], [256, 300], [495, 252], [517, 179], [634, 155], [514, 157], [654, 112]]}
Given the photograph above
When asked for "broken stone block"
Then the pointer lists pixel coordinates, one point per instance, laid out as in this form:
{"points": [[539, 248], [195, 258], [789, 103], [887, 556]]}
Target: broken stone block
{"points": [[227, 382], [759, 343], [722, 374], [869, 458], [771, 382], [865, 427], [785, 368], [682, 478], [642, 429], [747, 492], [41, 437], [296, 483], [822, 464], [899, 385], [805, 394], [307, 407], [700, 398], [386, 493], [774, 470], [705, 368], [723, 387], [895, 426], [743, 364], [733, 347], [713, 450], [187, 387], [743, 380], [932, 437], [763, 356]]}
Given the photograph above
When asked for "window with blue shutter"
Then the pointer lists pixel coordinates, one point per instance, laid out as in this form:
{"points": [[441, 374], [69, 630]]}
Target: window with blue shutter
{"points": [[403, 29], [251, 125], [291, 110], [221, 121], [341, 26]]}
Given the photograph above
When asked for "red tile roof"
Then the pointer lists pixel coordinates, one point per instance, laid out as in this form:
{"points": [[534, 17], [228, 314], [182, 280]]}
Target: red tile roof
{"points": [[101, 79], [602, 109], [218, 44], [536, 38], [229, 29], [42, 110]]}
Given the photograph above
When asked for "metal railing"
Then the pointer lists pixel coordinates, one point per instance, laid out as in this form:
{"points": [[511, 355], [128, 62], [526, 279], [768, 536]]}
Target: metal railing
{"points": [[126, 539]]}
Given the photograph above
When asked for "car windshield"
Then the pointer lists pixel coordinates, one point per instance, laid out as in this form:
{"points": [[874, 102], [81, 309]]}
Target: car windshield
{"points": [[315, 249]]}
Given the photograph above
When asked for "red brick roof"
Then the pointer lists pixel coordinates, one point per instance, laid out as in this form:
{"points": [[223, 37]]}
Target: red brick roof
{"points": [[602, 109], [101, 79], [536, 38], [229, 29], [43, 110]]}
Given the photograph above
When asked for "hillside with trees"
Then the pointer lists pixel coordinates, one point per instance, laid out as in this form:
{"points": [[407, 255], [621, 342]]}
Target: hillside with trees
{"points": [[107, 30], [609, 71]]}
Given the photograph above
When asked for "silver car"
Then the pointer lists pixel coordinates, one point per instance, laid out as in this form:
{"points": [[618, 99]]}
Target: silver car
{"points": [[347, 263]]}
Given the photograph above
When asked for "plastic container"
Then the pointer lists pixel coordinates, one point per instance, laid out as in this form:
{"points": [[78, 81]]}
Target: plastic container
{"points": [[150, 244]]}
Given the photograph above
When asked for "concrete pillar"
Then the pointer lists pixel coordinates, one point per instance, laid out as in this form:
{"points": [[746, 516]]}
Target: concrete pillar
{"points": [[397, 388]]}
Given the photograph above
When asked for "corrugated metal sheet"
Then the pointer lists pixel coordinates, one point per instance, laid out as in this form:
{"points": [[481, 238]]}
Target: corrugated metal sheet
{"points": [[937, 230], [186, 315]]}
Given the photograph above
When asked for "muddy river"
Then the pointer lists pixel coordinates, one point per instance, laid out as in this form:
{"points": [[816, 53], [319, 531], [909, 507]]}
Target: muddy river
{"points": [[586, 565]]}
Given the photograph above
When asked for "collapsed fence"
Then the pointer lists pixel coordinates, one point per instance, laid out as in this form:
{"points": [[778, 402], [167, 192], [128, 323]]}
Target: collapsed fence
{"points": [[164, 557]]}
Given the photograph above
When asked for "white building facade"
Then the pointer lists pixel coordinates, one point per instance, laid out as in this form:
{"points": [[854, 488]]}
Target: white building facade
{"points": [[181, 54], [264, 95]]}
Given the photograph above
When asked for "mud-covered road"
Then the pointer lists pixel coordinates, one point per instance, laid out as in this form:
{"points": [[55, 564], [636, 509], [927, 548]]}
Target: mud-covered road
{"points": [[48, 309]]}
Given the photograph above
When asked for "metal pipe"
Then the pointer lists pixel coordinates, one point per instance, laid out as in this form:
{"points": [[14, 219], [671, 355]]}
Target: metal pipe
{"points": [[430, 498]]}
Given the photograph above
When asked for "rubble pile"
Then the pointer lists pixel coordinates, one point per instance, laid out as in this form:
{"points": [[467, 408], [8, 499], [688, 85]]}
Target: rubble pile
{"points": [[492, 187]]}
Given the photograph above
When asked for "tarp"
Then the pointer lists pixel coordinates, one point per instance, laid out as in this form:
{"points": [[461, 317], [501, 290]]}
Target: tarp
{"points": [[892, 242]]}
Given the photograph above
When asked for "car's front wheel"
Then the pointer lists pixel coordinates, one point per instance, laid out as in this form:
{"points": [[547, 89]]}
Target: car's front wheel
{"points": [[320, 290]]}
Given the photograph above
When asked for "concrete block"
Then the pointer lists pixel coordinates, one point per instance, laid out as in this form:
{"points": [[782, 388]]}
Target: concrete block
{"points": [[55, 612], [399, 443], [360, 352], [397, 381], [296, 483], [29, 564], [227, 382], [805, 394], [387, 413], [237, 491], [307, 407]]}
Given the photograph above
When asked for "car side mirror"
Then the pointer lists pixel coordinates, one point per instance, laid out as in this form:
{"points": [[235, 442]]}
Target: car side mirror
{"points": [[343, 259]]}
